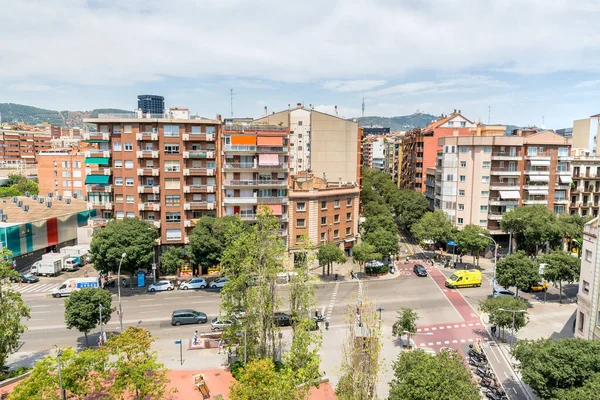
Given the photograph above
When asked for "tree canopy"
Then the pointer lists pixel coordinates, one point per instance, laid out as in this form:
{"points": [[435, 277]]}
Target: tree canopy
{"points": [[260, 380], [18, 185], [132, 236], [469, 238], [364, 252], [517, 270], [561, 267], [532, 227], [385, 242], [433, 226], [504, 319], [171, 259], [82, 309], [328, 254]]}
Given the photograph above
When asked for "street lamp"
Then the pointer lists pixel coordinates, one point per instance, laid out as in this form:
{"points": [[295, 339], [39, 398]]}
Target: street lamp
{"points": [[101, 332], [514, 312], [495, 257], [63, 394], [119, 289]]}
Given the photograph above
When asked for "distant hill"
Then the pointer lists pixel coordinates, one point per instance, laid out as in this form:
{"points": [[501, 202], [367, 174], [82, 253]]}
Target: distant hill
{"points": [[16, 113]]}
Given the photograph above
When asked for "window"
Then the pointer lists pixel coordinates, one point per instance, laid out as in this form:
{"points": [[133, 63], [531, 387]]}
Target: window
{"points": [[485, 179], [210, 129], [461, 192], [196, 130], [323, 220], [55, 164], [559, 209], [485, 193], [173, 234], [336, 204], [336, 233], [171, 165], [120, 214], [563, 152], [483, 208], [348, 231], [461, 207], [486, 164], [348, 216], [116, 129], [483, 222], [127, 146], [450, 123], [117, 146], [336, 219], [55, 183], [463, 164], [301, 206], [171, 131], [581, 320], [588, 256], [586, 287], [128, 164], [66, 183], [130, 214], [172, 200], [129, 199], [463, 178], [348, 202], [487, 149], [299, 123], [65, 164], [173, 217], [119, 198], [67, 193], [463, 149], [323, 205], [128, 181], [300, 223], [532, 151], [66, 174], [127, 128], [118, 163], [76, 164], [118, 181], [460, 221], [463, 124], [172, 183], [322, 236], [76, 183], [171, 148], [55, 174]]}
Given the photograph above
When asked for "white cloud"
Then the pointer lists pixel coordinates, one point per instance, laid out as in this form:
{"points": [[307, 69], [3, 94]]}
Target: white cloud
{"points": [[353, 86], [463, 83], [29, 87], [587, 84]]}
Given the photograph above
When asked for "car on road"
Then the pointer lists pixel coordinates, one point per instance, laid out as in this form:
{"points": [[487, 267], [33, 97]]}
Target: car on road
{"points": [[182, 317], [537, 287], [503, 293], [25, 278], [419, 270], [282, 319], [194, 283], [161, 286], [219, 283], [219, 323]]}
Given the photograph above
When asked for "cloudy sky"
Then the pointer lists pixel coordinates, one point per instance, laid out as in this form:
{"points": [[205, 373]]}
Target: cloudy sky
{"points": [[526, 59]]}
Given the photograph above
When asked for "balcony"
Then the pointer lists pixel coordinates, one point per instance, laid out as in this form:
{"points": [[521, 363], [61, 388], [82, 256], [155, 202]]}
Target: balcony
{"points": [[199, 154], [198, 172], [561, 201], [568, 172], [153, 222], [99, 206], [538, 156], [536, 187], [95, 136], [98, 171], [495, 216], [99, 188], [199, 205], [505, 171], [149, 207], [252, 166], [272, 200], [566, 158], [97, 153], [257, 182], [536, 200], [188, 223], [204, 137], [148, 172], [504, 186], [562, 187], [537, 172], [505, 156], [198, 189], [254, 149], [147, 153], [146, 136], [498, 201], [240, 200], [149, 189]]}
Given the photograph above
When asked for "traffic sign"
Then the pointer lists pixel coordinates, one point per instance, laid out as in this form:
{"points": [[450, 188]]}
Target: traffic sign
{"points": [[153, 265], [452, 243], [178, 342]]}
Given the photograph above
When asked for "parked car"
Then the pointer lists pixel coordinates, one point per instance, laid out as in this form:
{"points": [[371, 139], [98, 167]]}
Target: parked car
{"points": [[282, 319], [182, 317], [419, 270], [537, 287], [219, 283], [161, 286], [195, 283], [219, 323], [25, 278], [503, 293]]}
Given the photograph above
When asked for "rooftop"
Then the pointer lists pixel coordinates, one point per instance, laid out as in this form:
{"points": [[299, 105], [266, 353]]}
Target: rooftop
{"points": [[37, 211]]}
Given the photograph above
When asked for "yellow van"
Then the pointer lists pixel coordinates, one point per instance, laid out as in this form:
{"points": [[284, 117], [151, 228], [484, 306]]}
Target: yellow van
{"points": [[464, 278]]}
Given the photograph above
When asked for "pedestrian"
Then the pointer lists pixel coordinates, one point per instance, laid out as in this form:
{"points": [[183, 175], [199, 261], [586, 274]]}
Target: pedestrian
{"points": [[124, 282], [99, 341], [195, 342], [104, 337], [494, 330], [220, 345], [326, 324]]}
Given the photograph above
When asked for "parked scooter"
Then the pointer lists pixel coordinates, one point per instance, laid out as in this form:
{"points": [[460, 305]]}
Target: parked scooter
{"points": [[477, 363], [484, 372], [493, 394], [488, 382]]}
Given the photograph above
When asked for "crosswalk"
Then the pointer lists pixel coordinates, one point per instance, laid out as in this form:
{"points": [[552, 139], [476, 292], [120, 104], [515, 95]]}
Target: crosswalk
{"points": [[34, 287]]}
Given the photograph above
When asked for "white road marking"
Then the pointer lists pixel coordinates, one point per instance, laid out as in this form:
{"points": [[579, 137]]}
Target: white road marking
{"points": [[434, 328], [151, 305], [430, 344], [426, 329], [447, 342], [149, 299], [505, 374], [449, 327], [462, 340], [514, 390], [418, 329], [441, 327], [438, 343], [470, 340], [470, 324], [455, 341], [463, 325]]}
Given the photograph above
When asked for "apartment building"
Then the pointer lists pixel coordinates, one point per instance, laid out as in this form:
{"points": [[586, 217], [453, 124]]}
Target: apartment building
{"points": [[374, 151], [587, 325], [392, 157], [586, 134], [20, 146], [62, 172], [420, 147], [482, 176], [585, 189], [162, 170], [326, 212], [255, 171], [431, 176]]}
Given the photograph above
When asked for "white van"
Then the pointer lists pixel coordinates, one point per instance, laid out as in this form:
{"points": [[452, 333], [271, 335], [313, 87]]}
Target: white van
{"points": [[71, 285]]}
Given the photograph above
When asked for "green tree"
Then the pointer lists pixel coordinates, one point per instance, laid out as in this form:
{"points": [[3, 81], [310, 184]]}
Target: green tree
{"points": [[503, 319], [589, 391], [410, 206], [171, 259], [82, 309], [13, 310], [406, 321], [134, 367], [13, 179], [532, 227], [364, 252], [328, 254], [380, 222], [561, 267], [260, 380], [131, 236], [9, 192], [27, 185], [421, 376], [433, 226], [517, 270], [469, 238], [555, 367], [385, 242]]}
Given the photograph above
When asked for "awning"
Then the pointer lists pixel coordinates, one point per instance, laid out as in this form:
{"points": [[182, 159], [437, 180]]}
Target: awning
{"points": [[347, 240], [97, 179], [565, 179], [247, 140], [275, 208], [96, 141], [268, 159], [539, 178], [97, 160], [510, 195], [270, 141], [540, 163], [538, 192]]}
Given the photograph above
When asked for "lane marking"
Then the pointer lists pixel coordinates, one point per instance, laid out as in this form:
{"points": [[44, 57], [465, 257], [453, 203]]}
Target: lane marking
{"points": [[151, 305]]}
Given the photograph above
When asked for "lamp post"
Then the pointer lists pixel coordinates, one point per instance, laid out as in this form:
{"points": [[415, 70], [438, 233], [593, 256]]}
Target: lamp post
{"points": [[101, 332], [495, 257], [119, 289], [512, 332], [63, 394]]}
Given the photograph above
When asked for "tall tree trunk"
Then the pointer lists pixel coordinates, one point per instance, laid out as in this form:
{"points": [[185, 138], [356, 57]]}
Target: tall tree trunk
{"points": [[86, 339], [323, 269], [560, 292]]}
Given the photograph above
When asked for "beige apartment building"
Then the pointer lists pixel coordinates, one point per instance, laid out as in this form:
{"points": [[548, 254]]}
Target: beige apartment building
{"points": [[586, 134], [482, 176], [587, 325], [585, 189], [162, 170], [19, 147]]}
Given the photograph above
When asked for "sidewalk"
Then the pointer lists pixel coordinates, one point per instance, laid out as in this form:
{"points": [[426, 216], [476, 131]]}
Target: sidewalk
{"points": [[343, 272]]}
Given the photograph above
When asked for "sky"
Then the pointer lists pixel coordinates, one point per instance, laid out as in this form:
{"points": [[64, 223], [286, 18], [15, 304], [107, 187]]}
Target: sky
{"points": [[522, 62]]}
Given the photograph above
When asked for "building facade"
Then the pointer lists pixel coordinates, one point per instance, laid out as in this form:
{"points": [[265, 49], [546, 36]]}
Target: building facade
{"points": [[587, 325], [20, 147], [62, 172], [374, 152], [151, 104], [586, 134], [585, 189], [162, 170]]}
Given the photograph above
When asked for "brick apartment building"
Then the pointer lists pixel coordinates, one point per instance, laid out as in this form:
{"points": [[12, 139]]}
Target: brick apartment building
{"points": [[62, 172], [20, 146], [162, 170], [420, 147]]}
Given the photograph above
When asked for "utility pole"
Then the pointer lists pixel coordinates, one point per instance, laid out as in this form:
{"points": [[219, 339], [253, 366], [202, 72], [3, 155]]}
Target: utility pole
{"points": [[512, 332], [63, 394], [231, 100]]}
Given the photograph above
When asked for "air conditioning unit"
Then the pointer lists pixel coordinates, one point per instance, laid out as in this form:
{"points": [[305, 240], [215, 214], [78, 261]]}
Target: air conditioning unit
{"points": [[40, 200], [49, 204], [26, 207], [35, 196], [68, 201], [85, 198], [154, 130], [59, 198], [4, 217], [19, 203], [50, 194], [15, 199], [27, 194], [75, 195]]}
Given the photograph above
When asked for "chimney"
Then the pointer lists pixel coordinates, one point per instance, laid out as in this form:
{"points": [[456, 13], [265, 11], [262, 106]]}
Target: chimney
{"points": [[459, 112], [454, 111], [266, 113], [289, 107], [298, 105], [335, 108]]}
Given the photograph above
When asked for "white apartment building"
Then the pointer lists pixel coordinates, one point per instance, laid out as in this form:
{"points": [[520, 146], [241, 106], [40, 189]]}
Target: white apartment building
{"points": [[585, 189], [586, 134]]}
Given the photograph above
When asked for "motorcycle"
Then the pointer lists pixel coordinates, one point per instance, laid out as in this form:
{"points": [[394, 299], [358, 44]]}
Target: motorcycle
{"points": [[475, 353], [484, 373], [493, 394], [488, 382], [476, 363]]}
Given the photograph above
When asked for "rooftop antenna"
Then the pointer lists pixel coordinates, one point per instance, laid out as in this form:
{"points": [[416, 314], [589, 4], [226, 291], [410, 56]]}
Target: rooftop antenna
{"points": [[489, 114], [231, 100], [363, 107]]}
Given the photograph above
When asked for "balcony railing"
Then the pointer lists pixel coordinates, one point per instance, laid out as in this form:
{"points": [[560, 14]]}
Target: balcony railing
{"points": [[272, 200], [199, 154], [199, 205], [148, 172], [254, 149], [256, 182], [149, 189], [204, 137], [198, 189], [254, 166], [99, 188], [147, 154], [146, 136], [97, 153], [196, 171]]}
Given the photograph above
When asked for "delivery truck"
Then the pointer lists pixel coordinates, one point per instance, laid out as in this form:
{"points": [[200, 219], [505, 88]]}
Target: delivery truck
{"points": [[46, 267], [71, 285], [81, 252]]}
